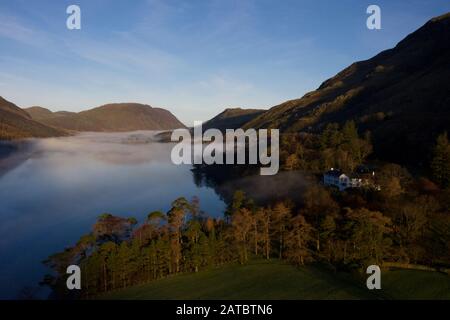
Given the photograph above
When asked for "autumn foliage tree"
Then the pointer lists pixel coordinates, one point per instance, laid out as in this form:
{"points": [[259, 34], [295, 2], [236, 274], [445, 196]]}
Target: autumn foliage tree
{"points": [[440, 164], [297, 242]]}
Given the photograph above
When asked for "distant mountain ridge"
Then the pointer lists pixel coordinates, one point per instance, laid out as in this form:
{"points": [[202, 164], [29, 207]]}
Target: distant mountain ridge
{"points": [[401, 95], [15, 123], [109, 118], [39, 113]]}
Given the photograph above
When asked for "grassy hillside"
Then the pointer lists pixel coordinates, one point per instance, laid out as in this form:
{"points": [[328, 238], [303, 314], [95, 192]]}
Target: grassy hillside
{"points": [[277, 280], [110, 117], [259, 279], [400, 95], [15, 123], [414, 284]]}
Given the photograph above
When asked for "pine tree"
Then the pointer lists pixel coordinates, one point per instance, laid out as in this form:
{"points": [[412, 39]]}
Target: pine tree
{"points": [[107, 252], [297, 241], [123, 260], [242, 224], [349, 132], [327, 236], [237, 203], [281, 214], [265, 219], [176, 220], [368, 235], [440, 164], [318, 204], [194, 256]]}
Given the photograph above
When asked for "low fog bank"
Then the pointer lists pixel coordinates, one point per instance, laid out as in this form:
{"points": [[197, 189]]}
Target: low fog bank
{"points": [[112, 148], [265, 189]]}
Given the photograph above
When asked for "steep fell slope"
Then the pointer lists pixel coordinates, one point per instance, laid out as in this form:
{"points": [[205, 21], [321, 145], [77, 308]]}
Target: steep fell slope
{"points": [[232, 118]]}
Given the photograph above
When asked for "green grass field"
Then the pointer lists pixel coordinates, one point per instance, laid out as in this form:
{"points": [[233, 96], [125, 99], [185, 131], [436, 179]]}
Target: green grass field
{"points": [[414, 284], [277, 280]]}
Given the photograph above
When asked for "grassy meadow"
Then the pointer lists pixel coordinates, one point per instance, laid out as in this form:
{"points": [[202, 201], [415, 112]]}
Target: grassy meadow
{"points": [[275, 279]]}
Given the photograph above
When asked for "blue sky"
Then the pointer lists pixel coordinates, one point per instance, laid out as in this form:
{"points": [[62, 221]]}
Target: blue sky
{"points": [[193, 57]]}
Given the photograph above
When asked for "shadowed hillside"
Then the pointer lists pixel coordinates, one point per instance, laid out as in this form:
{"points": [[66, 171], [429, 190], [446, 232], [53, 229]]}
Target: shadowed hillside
{"points": [[400, 96], [110, 117], [260, 279], [15, 123], [232, 118], [274, 280]]}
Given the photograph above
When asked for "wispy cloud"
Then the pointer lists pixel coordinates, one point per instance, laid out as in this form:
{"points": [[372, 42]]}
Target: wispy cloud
{"points": [[12, 29], [16, 30], [123, 55]]}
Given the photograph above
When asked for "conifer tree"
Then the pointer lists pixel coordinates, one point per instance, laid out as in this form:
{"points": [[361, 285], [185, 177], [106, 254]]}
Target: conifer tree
{"points": [[440, 164]]}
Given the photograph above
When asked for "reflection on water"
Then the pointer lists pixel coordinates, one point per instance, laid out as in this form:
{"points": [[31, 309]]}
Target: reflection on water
{"points": [[59, 186]]}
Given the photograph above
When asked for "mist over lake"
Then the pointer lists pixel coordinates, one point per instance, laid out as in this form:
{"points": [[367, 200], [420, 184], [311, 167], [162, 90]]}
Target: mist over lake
{"points": [[52, 192]]}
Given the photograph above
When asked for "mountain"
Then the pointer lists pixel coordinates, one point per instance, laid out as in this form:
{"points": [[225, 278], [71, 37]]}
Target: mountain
{"points": [[232, 118], [108, 118], [39, 113], [400, 95], [16, 123]]}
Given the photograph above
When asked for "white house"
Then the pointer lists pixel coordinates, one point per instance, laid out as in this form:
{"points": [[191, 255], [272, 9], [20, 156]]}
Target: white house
{"points": [[337, 178]]}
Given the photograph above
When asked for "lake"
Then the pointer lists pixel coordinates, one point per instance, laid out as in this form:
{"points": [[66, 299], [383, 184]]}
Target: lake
{"points": [[52, 191]]}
